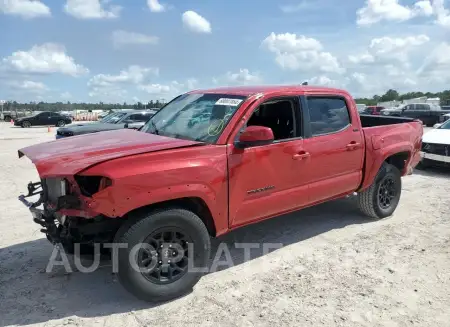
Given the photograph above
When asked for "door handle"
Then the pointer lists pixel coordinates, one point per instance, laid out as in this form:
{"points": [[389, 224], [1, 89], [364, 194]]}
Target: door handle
{"points": [[300, 156], [352, 146]]}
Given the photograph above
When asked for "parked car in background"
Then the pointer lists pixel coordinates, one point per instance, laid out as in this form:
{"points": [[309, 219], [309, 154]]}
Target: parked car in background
{"points": [[360, 107], [43, 118], [443, 119], [429, 114], [373, 110], [436, 146], [132, 119], [256, 153], [8, 115]]}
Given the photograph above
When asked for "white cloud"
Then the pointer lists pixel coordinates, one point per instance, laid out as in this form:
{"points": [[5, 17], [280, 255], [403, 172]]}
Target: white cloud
{"points": [[155, 88], [123, 38], [65, 96], [376, 11], [29, 86], [132, 75], [243, 77], [171, 89], [43, 59], [25, 8], [442, 14], [195, 23], [155, 6], [323, 81], [91, 9], [436, 65], [387, 49], [294, 52]]}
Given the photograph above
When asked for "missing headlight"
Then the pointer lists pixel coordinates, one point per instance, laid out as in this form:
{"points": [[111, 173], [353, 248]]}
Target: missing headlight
{"points": [[89, 185]]}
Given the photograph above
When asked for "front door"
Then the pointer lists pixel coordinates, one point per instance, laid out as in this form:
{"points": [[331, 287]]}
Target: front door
{"points": [[336, 147], [271, 179]]}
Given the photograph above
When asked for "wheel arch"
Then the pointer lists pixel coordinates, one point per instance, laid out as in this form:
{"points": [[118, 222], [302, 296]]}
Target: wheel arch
{"points": [[195, 204], [398, 157]]}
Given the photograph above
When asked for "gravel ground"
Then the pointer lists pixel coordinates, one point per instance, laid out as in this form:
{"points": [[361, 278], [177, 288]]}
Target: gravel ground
{"points": [[335, 267]]}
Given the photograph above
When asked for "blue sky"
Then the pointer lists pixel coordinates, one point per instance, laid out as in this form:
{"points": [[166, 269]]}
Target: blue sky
{"points": [[137, 50]]}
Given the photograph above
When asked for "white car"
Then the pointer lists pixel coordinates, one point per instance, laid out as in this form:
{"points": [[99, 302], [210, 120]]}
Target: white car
{"points": [[436, 146], [444, 119]]}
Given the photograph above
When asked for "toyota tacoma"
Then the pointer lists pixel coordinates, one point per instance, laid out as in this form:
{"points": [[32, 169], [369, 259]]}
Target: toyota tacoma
{"points": [[207, 163]]}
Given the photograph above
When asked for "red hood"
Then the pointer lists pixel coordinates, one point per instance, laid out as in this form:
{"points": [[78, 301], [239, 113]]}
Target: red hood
{"points": [[70, 155]]}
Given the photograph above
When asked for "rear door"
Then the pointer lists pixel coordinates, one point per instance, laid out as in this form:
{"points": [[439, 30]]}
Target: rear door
{"points": [[42, 119], [334, 142]]}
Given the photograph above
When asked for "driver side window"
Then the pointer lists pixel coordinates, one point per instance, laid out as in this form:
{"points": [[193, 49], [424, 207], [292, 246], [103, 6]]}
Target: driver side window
{"points": [[280, 116]]}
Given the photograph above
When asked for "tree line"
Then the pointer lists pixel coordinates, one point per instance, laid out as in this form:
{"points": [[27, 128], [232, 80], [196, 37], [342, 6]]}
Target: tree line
{"points": [[390, 95], [69, 106]]}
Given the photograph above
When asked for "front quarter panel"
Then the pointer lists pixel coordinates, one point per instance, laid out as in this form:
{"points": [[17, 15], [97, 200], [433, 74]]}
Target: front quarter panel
{"points": [[145, 179]]}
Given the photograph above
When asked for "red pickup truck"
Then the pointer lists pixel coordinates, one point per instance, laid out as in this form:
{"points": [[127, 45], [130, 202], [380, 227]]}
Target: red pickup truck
{"points": [[209, 162]]}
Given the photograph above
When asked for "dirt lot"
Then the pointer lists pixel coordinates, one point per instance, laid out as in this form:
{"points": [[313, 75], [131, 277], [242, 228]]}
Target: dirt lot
{"points": [[335, 267]]}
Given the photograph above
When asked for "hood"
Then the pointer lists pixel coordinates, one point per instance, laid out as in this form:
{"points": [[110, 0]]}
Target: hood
{"points": [[71, 155], [78, 129], [437, 136]]}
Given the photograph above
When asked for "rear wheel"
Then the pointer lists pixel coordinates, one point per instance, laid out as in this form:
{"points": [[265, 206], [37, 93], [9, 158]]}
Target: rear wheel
{"points": [[163, 254], [382, 197], [26, 124]]}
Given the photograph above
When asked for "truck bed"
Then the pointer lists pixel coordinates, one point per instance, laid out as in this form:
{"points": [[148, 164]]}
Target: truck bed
{"points": [[371, 121], [387, 136]]}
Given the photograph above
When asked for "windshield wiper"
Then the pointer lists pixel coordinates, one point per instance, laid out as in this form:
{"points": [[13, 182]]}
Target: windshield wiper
{"points": [[152, 123]]}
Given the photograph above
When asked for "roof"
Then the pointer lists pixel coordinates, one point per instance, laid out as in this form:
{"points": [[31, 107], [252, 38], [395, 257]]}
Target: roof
{"points": [[250, 90]]}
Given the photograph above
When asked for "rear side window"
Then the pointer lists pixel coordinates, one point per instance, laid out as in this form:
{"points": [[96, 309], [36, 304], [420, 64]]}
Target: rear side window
{"points": [[327, 115], [139, 117], [422, 107]]}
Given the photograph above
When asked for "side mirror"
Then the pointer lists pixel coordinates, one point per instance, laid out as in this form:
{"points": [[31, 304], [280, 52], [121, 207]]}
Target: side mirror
{"points": [[255, 136]]}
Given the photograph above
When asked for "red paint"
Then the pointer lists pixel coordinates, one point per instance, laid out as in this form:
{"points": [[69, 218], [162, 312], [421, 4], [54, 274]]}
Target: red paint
{"points": [[256, 133], [147, 169]]}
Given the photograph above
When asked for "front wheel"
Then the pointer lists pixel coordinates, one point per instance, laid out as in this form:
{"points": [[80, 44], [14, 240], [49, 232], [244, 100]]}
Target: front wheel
{"points": [[381, 198], [163, 254]]}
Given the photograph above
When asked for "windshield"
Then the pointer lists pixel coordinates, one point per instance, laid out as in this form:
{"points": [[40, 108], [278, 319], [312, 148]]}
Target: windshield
{"points": [[107, 116], [114, 118], [445, 125], [199, 117]]}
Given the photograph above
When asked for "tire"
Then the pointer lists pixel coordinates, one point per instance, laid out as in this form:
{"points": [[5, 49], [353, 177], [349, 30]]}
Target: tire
{"points": [[26, 124], [60, 123], [155, 288], [369, 201], [7, 118]]}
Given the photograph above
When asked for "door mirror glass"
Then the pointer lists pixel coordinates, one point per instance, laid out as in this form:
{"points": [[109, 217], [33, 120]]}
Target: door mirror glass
{"points": [[255, 136]]}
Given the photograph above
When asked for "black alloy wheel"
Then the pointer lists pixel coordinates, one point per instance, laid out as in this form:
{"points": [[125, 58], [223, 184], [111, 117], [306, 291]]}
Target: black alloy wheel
{"points": [[165, 258]]}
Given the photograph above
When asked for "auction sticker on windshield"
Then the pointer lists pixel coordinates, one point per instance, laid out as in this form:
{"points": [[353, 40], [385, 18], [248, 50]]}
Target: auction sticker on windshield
{"points": [[228, 102]]}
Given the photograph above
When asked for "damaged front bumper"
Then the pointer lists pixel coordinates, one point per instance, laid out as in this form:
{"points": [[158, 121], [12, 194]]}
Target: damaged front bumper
{"points": [[43, 217]]}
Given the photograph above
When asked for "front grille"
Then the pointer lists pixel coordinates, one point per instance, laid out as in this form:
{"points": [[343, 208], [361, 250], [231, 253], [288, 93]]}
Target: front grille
{"points": [[440, 149]]}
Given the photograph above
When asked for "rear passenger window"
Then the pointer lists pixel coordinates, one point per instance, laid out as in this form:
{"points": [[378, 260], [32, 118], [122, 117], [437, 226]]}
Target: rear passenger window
{"points": [[327, 115], [422, 107]]}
